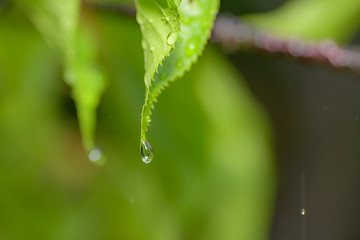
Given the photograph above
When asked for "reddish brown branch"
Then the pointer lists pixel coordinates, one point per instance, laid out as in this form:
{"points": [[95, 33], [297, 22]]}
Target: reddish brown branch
{"points": [[233, 35]]}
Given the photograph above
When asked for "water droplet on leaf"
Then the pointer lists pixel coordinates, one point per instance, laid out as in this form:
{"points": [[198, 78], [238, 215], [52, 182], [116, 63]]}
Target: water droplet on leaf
{"points": [[146, 152], [151, 20], [171, 38], [191, 47], [152, 49]]}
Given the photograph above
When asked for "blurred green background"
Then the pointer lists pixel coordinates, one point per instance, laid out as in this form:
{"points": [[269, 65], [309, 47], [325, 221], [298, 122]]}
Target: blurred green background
{"points": [[213, 175]]}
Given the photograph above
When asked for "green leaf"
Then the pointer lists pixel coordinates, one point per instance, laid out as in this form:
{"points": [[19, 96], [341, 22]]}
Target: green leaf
{"points": [[58, 23], [197, 22], [160, 24]]}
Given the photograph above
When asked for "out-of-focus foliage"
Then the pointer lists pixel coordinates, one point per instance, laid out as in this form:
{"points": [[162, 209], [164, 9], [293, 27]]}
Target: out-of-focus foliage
{"points": [[58, 23], [197, 21], [312, 19], [212, 178]]}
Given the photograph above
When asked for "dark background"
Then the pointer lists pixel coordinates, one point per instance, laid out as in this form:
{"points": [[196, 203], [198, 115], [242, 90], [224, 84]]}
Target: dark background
{"points": [[315, 110]]}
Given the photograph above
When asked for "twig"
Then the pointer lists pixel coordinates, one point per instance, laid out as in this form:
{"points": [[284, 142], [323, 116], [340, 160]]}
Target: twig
{"points": [[233, 35]]}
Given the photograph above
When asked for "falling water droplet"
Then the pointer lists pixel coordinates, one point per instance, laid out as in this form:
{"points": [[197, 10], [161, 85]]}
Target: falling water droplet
{"points": [[97, 156], [171, 38], [146, 152], [303, 211]]}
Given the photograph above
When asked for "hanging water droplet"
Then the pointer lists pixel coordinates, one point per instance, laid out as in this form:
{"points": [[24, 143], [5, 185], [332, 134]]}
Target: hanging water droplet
{"points": [[171, 38], [97, 156], [152, 49], [303, 211], [146, 152]]}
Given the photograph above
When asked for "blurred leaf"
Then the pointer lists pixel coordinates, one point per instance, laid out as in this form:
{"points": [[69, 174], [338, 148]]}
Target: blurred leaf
{"points": [[56, 20], [312, 19], [238, 152], [87, 82], [58, 23], [198, 18]]}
